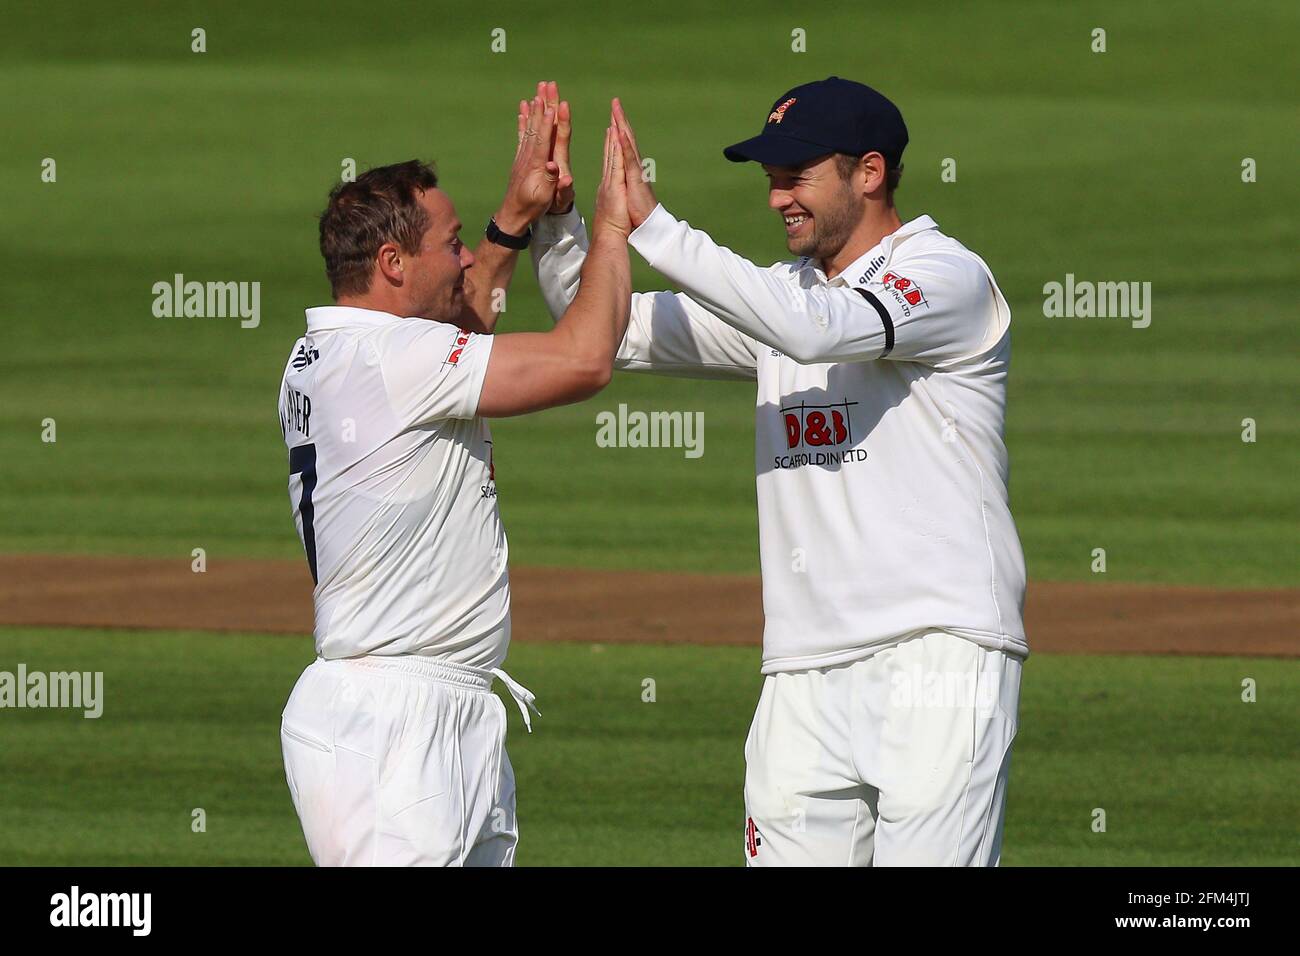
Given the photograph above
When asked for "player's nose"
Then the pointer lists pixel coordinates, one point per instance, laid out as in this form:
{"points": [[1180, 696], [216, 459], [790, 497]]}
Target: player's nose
{"points": [[779, 199], [466, 258]]}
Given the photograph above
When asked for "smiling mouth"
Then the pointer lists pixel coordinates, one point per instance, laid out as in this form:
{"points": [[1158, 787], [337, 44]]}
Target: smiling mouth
{"points": [[794, 224]]}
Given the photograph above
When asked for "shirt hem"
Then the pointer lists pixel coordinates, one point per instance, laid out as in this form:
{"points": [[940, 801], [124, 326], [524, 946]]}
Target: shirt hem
{"points": [[1017, 647]]}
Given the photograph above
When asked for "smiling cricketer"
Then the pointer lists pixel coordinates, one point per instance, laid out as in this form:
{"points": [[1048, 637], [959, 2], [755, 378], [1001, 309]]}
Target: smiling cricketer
{"points": [[893, 578], [393, 741]]}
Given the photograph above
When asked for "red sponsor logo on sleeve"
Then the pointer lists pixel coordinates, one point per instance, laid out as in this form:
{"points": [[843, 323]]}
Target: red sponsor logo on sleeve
{"points": [[909, 290], [462, 340]]}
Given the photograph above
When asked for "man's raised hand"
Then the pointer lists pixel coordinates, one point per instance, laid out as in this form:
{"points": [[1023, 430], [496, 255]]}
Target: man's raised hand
{"points": [[563, 201], [641, 200], [534, 175], [611, 217]]}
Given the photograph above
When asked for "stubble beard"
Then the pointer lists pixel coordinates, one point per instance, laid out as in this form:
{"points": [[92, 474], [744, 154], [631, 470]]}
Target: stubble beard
{"points": [[831, 229], [446, 305]]}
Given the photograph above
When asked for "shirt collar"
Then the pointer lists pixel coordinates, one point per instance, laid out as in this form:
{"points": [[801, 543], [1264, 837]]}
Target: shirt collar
{"points": [[863, 264], [339, 316]]}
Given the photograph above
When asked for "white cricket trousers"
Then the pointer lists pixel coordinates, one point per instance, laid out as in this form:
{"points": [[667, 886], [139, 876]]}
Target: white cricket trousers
{"points": [[900, 759], [401, 761]]}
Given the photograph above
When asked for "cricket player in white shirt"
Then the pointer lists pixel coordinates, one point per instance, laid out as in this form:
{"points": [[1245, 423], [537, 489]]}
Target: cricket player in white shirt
{"points": [[394, 745], [893, 579]]}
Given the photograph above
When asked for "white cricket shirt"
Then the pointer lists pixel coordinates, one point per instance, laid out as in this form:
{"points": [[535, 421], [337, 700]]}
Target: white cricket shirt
{"points": [[881, 467], [392, 487]]}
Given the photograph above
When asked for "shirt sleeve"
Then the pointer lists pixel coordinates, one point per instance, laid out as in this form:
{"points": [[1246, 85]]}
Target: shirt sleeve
{"points": [[558, 250], [667, 334], [670, 334], [432, 370], [943, 311]]}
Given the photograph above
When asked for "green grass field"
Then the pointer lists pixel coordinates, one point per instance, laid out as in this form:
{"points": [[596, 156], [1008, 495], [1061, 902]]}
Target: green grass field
{"points": [[1118, 166], [1186, 772]]}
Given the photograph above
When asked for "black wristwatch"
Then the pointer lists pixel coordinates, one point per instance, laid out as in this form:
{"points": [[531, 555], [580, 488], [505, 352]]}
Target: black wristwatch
{"points": [[494, 234]]}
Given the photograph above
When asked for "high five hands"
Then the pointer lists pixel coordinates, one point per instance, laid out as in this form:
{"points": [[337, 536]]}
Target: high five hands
{"points": [[612, 215], [548, 95], [541, 180], [641, 200]]}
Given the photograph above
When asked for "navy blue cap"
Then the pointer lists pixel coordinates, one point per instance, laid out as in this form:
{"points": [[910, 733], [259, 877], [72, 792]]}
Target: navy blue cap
{"points": [[828, 116]]}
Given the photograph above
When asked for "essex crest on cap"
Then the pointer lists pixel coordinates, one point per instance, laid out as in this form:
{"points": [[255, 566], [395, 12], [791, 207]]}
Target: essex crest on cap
{"points": [[833, 115]]}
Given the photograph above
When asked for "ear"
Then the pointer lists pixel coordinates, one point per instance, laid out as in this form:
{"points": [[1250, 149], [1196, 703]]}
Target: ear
{"points": [[390, 264], [875, 170]]}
